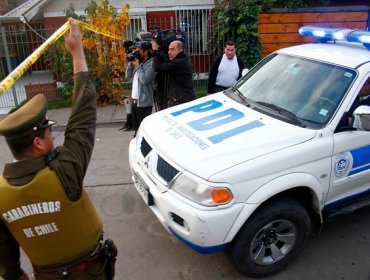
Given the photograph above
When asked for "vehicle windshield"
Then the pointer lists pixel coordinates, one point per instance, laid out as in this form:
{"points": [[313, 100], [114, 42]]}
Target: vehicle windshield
{"points": [[295, 89]]}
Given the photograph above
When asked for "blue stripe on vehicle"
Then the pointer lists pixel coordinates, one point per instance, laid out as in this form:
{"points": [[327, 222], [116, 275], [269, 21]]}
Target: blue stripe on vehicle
{"points": [[197, 248], [361, 156], [361, 160], [358, 170], [344, 199]]}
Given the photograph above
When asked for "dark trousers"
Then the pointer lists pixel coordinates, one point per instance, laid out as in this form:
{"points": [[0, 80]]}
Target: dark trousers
{"points": [[139, 113], [217, 88]]}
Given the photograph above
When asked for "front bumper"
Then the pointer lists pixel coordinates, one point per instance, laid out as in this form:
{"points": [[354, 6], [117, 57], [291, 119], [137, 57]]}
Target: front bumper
{"points": [[204, 229]]}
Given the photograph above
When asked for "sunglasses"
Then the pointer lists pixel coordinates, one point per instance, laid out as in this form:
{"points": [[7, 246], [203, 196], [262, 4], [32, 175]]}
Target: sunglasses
{"points": [[43, 125]]}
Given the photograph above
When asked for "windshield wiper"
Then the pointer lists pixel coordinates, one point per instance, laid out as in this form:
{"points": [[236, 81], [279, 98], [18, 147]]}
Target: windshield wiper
{"points": [[282, 111], [241, 96]]}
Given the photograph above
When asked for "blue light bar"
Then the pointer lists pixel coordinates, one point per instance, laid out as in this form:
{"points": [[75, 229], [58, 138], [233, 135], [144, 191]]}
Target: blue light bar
{"points": [[325, 34], [360, 37]]}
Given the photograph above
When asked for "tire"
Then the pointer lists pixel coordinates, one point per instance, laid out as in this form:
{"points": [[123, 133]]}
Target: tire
{"points": [[271, 238]]}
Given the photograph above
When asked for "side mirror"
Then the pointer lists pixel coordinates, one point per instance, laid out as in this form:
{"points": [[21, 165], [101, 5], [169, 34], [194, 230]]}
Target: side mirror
{"points": [[244, 72], [362, 117]]}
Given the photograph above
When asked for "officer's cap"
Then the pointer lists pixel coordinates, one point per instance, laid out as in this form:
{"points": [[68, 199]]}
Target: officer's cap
{"points": [[27, 119]]}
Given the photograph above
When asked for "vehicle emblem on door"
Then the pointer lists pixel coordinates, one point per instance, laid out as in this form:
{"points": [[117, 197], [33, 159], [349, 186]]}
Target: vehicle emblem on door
{"points": [[341, 165]]}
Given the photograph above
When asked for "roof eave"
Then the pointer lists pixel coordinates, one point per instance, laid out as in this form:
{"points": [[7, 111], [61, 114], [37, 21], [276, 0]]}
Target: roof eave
{"points": [[5, 19], [26, 11]]}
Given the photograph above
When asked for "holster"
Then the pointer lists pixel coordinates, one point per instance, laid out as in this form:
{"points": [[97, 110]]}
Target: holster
{"points": [[111, 255]]}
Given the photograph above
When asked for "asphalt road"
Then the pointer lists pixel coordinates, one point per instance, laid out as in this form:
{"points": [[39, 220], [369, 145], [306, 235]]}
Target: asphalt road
{"points": [[147, 251]]}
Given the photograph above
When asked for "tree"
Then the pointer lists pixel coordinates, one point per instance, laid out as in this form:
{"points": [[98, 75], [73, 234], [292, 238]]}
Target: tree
{"points": [[106, 56]]}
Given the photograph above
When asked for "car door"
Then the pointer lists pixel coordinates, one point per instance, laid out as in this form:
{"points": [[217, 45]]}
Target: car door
{"points": [[350, 165]]}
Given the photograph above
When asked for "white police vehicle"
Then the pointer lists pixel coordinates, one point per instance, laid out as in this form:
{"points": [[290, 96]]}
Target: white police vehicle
{"points": [[260, 166]]}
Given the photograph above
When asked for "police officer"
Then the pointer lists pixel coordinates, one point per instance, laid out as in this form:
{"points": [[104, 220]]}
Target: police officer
{"points": [[43, 206]]}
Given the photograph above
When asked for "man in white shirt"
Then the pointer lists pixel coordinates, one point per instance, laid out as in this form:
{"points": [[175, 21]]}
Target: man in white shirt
{"points": [[226, 70]]}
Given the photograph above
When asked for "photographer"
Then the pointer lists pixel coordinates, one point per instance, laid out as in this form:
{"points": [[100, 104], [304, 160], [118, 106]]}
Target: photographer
{"points": [[178, 70], [161, 83], [141, 71]]}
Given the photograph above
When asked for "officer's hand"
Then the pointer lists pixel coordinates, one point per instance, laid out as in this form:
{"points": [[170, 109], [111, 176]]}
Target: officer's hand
{"points": [[73, 38], [73, 44]]}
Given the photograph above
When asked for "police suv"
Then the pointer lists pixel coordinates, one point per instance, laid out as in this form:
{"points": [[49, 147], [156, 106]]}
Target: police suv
{"points": [[260, 166]]}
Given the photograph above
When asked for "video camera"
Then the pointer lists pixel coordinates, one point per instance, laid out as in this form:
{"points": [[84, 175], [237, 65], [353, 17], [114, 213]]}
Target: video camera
{"points": [[142, 40], [133, 55], [165, 37]]}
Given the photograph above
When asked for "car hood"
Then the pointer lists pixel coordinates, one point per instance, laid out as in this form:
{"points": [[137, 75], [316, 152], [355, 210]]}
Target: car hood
{"points": [[213, 133]]}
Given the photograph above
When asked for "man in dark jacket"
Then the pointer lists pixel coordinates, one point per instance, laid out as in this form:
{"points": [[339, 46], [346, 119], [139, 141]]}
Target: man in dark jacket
{"points": [[226, 70], [179, 72]]}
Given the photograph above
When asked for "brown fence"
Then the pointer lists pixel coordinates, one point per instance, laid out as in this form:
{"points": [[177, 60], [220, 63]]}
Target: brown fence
{"points": [[280, 29]]}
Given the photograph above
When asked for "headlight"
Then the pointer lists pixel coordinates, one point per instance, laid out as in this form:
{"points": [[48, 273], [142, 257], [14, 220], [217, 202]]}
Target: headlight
{"points": [[201, 193]]}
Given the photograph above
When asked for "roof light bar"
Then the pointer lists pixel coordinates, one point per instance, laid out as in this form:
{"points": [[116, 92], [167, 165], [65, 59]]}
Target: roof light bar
{"points": [[331, 34], [325, 33]]}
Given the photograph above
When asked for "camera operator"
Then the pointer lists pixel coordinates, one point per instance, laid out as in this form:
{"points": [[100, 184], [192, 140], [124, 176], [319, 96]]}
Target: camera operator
{"points": [[161, 84], [141, 71], [177, 70]]}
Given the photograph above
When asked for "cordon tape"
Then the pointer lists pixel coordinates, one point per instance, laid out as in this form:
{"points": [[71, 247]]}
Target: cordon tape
{"points": [[31, 59]]}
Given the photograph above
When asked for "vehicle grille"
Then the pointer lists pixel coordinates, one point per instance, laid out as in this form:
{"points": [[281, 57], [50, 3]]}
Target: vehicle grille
{"points": [[165, 170], [145, 148], [177, 219]]}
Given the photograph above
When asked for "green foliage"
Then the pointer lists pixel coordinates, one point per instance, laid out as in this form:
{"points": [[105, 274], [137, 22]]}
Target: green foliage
{"points": [[237, 20], [59, 61], [293, 4]]}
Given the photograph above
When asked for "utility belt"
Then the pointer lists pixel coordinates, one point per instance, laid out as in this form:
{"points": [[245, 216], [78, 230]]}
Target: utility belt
{"points": [[100, 260]]}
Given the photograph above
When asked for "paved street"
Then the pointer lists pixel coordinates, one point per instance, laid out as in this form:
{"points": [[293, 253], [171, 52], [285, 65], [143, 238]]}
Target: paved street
{"points": [[147, 251]]}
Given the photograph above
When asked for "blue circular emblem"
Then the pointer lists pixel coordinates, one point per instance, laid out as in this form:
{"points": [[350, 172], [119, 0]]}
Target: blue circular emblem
{"points": [[341, 165]]}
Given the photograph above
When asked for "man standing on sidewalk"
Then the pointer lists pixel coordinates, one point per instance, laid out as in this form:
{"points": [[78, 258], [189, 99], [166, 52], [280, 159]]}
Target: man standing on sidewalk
{"points": [[226, 70], [140, 70], [178, 70], [43, 206]]}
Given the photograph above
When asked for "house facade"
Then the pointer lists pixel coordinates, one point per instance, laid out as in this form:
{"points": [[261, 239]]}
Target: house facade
{"points": [[192, 17], [26, 27]]}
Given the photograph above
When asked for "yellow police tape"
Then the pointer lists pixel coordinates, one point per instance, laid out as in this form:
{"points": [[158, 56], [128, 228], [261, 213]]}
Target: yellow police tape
{"points": [[98, 30], [31, 59]]}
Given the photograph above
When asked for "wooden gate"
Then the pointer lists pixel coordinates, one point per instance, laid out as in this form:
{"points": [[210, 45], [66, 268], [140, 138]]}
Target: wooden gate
{"points": [[280, 29]]}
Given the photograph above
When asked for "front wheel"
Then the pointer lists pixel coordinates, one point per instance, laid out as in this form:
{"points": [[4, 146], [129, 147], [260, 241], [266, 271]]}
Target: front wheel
{"points": [[271, 238]]}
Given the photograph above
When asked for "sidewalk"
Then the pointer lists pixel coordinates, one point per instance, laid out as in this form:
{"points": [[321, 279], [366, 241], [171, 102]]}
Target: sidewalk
{"points": [[107, 115]]}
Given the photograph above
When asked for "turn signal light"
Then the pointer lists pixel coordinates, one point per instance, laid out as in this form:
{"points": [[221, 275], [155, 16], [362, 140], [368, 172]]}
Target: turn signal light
{"points": [[221, 195]]}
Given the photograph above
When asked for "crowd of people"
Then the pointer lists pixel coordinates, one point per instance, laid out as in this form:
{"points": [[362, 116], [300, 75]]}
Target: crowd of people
{"points": [[161, 76]]}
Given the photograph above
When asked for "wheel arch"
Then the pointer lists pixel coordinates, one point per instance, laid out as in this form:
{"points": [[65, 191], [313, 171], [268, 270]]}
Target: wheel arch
{"points": [[303, 187]]}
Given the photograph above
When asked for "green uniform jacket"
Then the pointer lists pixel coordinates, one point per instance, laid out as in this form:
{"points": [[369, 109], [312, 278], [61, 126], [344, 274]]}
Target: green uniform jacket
{"points": [[69, 161]]}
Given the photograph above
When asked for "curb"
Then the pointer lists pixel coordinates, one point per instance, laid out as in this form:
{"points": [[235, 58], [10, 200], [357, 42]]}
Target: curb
{"points": [[115, 123]]}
